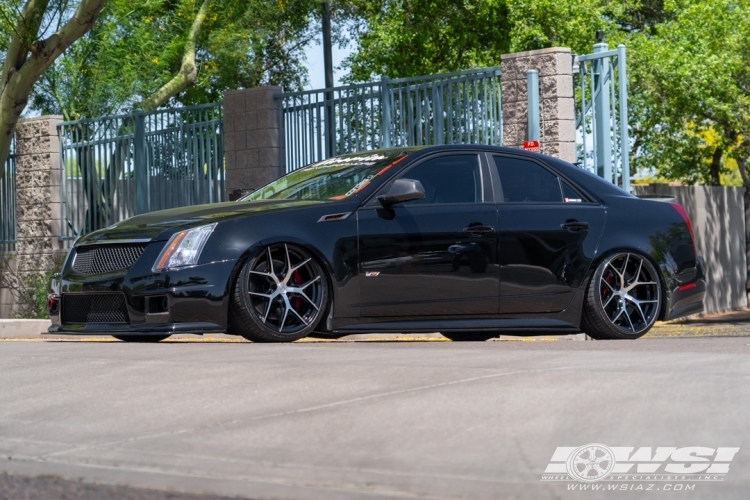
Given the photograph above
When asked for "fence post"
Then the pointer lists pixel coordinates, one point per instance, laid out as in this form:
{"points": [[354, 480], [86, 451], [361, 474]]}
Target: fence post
{"points": [[140, 168], [532, 97], [556, 103], [253, 140], [38, 171], [386, 117], [602, 131], [623, 97], [437, 112]]}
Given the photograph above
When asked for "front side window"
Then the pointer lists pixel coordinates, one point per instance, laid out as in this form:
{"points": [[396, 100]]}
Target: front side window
{"points": [[524, 181], [329, 180], [448, 179]]}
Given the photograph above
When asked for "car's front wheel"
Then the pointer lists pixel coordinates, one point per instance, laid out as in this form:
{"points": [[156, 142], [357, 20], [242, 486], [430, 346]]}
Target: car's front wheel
{"points": [[623, 298], [280, 295]]}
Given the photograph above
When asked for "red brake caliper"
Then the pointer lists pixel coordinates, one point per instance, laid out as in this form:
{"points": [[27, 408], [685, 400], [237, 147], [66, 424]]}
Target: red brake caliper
{"points": [[296, 301], [605, 290]]}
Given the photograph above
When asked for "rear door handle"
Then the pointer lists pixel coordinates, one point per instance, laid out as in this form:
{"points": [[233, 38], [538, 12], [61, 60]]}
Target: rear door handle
{"points": [[479, 229], [574, 225]]}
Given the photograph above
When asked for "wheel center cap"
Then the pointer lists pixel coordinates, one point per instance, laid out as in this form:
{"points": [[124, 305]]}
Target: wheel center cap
{"points": [[281, 288]]}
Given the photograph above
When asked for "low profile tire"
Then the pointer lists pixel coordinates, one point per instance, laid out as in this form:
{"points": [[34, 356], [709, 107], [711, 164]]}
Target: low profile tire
{"points": [[280, 295], [622, 299], [468, 336], [141, 338]]}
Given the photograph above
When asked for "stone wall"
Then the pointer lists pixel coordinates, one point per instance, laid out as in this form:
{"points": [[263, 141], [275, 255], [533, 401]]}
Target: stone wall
{"points": [[37, 201], [556, 103]]}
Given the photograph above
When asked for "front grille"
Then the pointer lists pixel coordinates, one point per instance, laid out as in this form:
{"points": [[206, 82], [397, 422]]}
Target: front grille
{"points": [[100, 259], [94, 308]]}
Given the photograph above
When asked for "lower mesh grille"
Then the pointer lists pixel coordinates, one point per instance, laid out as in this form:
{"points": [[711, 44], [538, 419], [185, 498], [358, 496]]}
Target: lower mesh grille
{"points": [[94, 308]]}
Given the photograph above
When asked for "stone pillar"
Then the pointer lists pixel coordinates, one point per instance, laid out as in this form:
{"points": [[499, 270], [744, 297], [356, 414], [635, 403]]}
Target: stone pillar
{"points": [[251, 138], [38, 195], [557, 113]]}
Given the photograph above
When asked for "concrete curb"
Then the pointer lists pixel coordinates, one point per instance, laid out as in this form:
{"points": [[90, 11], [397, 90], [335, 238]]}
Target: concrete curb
{"points": [[23, 328]]}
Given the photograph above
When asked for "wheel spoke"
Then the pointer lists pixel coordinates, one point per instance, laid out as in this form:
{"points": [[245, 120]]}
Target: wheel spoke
{"points": [[625, 266], [303, 320], [286, 312], [270, 262], [609, 300], [268, 311], [288, 264], [301, 264], [308, 299], [262, 274], [265, 295], [608, 285], [315, 279], [627, 315]]}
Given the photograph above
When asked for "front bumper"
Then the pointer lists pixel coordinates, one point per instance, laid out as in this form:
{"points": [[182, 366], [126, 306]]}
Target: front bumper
{"points": [[188, 300]]}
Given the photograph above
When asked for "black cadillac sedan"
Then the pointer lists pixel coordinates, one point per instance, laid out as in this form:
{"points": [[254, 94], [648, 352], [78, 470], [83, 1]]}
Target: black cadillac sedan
{"points": [[469, 241]]}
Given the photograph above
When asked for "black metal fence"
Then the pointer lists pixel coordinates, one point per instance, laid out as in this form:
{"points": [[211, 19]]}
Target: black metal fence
{"points": [[115, 167], [451, 108]]}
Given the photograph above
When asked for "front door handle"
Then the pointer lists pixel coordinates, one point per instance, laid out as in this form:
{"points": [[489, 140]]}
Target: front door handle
{"points": [[574, 225], [479, 229]]}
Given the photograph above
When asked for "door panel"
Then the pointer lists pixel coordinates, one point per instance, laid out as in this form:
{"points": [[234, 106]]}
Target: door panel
{"points": [[548, 236], [436, 256], [542, 265], [428, 260]]}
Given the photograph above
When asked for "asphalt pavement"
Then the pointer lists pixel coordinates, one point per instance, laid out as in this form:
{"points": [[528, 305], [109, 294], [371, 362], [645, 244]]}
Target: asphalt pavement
{"points": [[366, 419]]}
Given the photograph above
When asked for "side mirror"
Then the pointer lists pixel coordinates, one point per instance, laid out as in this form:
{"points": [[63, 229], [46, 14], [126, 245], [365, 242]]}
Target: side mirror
{"points": [[402, 190]]}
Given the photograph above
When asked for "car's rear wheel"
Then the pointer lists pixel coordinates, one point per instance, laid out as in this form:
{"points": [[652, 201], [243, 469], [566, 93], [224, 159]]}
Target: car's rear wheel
{"points": [[468, 336], [280, 295], [623, 298], [141, 338]]}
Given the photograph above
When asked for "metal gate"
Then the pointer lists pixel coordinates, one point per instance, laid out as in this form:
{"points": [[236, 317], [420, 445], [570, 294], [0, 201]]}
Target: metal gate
{"points": [[451, 108], [602, 114], [116, 167]]}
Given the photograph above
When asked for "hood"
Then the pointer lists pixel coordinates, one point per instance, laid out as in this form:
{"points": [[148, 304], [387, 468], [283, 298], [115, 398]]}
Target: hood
{"points": [[162, 224]]}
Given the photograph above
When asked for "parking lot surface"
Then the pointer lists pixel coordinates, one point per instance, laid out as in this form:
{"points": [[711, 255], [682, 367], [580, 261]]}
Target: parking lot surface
{"points": [[368, 419]]}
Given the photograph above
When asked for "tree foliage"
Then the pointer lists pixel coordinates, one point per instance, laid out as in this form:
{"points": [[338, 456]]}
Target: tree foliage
{"points": [[148, 53], [32, 42]]}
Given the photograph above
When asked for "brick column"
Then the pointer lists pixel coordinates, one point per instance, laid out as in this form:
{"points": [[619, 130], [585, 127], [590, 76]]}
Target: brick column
{"points": [[251, 138], [557, 109], [38, 194]]}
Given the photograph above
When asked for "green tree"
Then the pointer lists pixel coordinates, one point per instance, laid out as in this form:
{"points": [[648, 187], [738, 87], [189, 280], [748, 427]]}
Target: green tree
{"points": [[690, 89], [143, 54], [28, 52], [401, 38]]}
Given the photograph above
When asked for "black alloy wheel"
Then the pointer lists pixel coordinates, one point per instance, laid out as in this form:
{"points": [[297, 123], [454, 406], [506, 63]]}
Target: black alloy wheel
{"points": [[623, 298], [146, 339], [281, 295]]}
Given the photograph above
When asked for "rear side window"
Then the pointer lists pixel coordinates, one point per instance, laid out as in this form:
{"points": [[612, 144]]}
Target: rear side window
{"points": [[448, 179], [525, 181]]}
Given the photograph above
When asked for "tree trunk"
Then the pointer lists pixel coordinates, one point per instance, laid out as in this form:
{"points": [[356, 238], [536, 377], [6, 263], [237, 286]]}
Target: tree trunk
{"points": [[21, 72], [716, 166], [188, 71]]}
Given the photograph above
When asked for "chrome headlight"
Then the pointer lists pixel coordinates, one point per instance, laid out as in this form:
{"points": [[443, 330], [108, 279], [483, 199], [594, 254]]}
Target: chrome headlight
{"points": [[184, 248]]}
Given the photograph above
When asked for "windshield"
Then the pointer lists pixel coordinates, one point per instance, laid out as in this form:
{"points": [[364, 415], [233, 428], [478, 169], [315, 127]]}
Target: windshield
{"points": [[332, 179]]}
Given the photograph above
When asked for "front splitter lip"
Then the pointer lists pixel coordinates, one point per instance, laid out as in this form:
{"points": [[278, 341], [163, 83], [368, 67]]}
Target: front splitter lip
{"points": [[139, 329]]}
